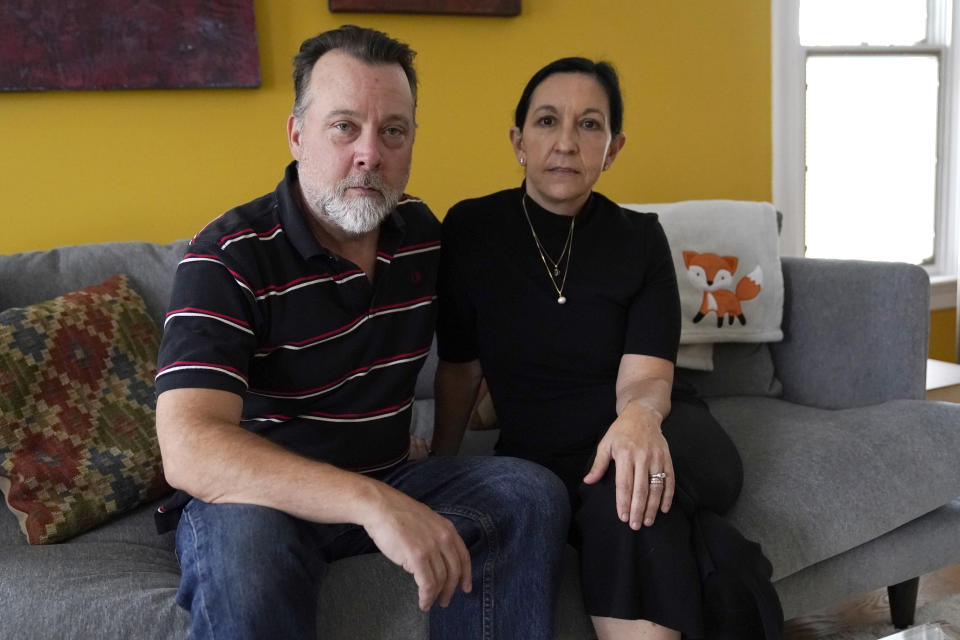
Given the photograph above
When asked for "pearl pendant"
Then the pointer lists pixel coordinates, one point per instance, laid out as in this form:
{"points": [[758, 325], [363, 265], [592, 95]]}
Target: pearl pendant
{"points": [[562, 300], [556, 271]]}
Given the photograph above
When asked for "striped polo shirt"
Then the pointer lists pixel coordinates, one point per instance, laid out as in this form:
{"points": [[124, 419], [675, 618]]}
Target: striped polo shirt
{"points": [[325, 360]]}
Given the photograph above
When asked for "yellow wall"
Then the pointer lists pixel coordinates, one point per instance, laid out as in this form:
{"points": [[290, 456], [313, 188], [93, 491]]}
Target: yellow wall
{"points": [[156, 165]]}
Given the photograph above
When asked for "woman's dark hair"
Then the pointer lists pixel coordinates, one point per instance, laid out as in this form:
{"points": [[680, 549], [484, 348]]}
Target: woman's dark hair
{"points": [[605, 74], [368, 45]]}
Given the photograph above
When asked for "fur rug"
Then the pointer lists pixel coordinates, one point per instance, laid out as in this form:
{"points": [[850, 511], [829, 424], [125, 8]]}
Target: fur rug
{"points": [[942, 611]]}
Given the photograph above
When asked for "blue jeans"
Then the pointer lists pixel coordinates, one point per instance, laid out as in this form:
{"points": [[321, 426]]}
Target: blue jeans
{"points": [[254, 572]]}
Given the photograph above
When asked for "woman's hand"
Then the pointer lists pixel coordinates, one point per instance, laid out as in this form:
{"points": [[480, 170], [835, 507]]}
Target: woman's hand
{"points": [[634, 441], [637, 447], [419, 448]]}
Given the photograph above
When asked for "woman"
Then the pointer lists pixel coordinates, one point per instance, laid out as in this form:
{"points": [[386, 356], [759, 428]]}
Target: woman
{"points": [[568, 306]]}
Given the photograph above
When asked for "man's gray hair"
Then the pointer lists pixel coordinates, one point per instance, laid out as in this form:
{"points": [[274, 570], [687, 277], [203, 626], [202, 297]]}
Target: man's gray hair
{"points": [[369, 45]]}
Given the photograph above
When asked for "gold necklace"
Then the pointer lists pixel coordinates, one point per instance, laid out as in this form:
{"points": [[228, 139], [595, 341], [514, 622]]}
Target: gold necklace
{"points": [[567, 250]]}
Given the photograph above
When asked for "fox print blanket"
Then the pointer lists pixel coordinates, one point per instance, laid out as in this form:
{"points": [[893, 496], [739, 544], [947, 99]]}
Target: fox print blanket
{"points": [[727, 258]]}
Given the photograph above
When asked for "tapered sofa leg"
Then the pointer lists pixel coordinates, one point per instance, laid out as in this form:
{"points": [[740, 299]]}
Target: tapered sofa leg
{"points": [[903, 602]]}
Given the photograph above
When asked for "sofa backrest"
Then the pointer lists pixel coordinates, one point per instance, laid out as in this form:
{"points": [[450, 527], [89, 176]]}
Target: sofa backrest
{"points": [[35, 276], [856, 332]]}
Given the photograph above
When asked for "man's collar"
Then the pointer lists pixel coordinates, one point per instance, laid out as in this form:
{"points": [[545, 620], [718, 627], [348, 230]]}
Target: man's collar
{"points": [[293, 219]]}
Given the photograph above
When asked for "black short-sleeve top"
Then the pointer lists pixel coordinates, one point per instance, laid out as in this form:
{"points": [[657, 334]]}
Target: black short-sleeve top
{"points": [[325, 360], [552, 368]]}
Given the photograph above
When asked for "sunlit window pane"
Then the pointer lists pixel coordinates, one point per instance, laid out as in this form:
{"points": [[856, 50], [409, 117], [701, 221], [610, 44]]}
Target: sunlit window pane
{"points": [[871, 127], [855, 22]]}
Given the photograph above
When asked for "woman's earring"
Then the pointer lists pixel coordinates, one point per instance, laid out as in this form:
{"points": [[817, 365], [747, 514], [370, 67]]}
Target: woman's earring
{"points": [[523, 161]]}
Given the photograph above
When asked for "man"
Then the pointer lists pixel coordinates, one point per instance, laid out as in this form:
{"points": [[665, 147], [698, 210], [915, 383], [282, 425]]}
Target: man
{"points": [[298, 324]]}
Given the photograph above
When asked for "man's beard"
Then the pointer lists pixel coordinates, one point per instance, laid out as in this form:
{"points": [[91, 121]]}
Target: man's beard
{"points": [[359, 215]]}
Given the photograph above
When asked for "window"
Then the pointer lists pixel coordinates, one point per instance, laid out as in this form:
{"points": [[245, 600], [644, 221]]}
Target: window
{"points": [[864, 159]]}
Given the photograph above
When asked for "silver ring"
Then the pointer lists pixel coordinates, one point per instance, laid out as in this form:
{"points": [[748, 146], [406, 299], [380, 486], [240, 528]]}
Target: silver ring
{"points": [[662, 475], [655, 480]]}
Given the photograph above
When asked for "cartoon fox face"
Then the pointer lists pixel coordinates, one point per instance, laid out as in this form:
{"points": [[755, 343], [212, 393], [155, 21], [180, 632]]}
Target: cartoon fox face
{"points": [[713, 275], [708, 271]]}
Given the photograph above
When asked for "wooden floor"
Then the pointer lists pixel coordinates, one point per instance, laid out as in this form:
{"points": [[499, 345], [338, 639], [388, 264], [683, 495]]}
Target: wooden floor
{"points": [[871, 608]]}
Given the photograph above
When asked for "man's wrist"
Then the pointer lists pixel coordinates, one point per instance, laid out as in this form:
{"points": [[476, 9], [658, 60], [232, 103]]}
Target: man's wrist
{"points": [[368, 499], [373, 499]]}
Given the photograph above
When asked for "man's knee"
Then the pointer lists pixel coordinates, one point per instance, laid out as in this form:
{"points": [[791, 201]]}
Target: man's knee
{"points": [[243, 566], [235, 523], [233, 539], [507, 498], [529, 488]]}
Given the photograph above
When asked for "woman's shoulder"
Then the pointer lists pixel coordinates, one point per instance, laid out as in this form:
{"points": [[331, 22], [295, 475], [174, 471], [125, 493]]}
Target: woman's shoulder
{"points": [[627, 218], [482, 207]]}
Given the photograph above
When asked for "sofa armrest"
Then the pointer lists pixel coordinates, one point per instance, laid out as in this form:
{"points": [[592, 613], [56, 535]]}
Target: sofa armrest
{"points": [[855, 332]]}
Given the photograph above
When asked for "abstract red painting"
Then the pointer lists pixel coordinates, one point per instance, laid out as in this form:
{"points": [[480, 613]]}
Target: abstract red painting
{"points": [[127, 44]]}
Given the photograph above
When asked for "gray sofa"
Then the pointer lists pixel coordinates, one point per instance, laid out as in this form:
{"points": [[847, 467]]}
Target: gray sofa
{"points": [[850, 477]]}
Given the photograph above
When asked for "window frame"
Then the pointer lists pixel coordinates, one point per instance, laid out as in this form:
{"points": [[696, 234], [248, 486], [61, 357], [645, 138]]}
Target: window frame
{"points": [[788, 75]]}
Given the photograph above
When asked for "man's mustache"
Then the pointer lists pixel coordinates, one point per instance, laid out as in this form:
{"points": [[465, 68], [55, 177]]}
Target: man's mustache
{"points": [[366, 180]]}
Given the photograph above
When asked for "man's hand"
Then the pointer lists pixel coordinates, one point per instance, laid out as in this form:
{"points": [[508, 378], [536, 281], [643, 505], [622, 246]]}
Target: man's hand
{"points": [[635, 444], [425, 544]]}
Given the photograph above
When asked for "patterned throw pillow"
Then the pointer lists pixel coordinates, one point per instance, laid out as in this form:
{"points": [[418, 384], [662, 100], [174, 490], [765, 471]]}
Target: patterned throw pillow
{"points": [[77, 437]]}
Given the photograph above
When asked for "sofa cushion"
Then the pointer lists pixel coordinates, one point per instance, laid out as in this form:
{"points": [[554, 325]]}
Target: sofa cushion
{"points": [[77, 437], [97, 590], [739, 369], [818, 482], [117, 580]]}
